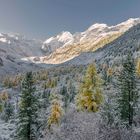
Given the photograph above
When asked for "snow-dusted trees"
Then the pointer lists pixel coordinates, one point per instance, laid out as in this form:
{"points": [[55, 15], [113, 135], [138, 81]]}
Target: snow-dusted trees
{"points": [[90, 96], [27, 115], [128, 94], [72, 91], [56, 110], [66, 97], [107, 73], [8, 110]]}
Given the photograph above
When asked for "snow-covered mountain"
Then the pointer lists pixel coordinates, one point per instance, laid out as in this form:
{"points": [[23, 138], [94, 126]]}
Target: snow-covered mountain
{"points": [[17, 52], [113, 52], [19, 46], [53, 43], [66, 46]]}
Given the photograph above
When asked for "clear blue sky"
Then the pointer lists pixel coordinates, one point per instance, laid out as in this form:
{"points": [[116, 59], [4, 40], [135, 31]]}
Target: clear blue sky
{"points": [[44, 18]]}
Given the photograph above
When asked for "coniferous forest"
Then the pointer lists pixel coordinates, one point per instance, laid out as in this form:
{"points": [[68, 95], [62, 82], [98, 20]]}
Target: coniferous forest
{"points": [[86, 102]]}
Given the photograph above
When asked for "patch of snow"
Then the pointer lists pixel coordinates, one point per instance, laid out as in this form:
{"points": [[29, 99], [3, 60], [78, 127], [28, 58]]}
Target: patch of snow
{"points": [[4, 40], [97, 26]]}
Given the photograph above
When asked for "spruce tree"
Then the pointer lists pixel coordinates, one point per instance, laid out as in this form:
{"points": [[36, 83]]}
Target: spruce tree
{"points": [[8, 110], [45, 97], [66, 97], [128, 93], [90, 96], [71, 91], [27, 114], [107, 73]]}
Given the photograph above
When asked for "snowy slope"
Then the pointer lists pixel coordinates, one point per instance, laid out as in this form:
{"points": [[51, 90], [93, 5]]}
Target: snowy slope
{"points": [[112, 52], [60, 40], [14, 50], [66, 46]]}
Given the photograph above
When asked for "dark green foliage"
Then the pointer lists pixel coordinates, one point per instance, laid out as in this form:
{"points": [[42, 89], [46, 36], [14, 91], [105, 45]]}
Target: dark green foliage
{"points": [[65, 95], [104, 76], [27, 114], [71, 91], [45, 98], [68, 94], [128, 93], [1, 108], [108, 111], [8, 110]]}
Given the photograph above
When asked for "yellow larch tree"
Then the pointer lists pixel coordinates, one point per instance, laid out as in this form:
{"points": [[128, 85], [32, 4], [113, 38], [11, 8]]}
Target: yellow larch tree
{"points": [[90, 95], [138, 68], [56, 110]]}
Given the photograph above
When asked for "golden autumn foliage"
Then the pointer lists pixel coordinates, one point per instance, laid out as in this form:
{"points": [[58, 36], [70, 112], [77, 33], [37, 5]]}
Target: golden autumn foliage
{"points": [[109, 72], [56, 110], [138, 68], [90, 96], [12, 81], [4, 96], [50, 83], [41, 75]]}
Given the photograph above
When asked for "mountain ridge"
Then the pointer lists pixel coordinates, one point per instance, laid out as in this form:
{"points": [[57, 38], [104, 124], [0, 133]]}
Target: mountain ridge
{"points": [[17, 53], [113, 52], [84, 41]]}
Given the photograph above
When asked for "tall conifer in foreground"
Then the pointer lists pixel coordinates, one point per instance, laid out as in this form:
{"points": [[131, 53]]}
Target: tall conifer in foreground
{"points": [[90, 96], [27, 114], [128, 94]]}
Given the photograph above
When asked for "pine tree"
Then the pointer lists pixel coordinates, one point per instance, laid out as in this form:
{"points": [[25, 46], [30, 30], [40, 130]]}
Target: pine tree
{"points": [[8, 110], [107, 73], [66, 97], [128, 94], [45, 97], [108, 111], [56, 110], [27, 115], [71, 91], [104, 73], [90, 96]]}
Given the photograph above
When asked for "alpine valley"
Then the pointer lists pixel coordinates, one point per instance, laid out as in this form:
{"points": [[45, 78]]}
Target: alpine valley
{"points": [[18, 54], [81, 86]]}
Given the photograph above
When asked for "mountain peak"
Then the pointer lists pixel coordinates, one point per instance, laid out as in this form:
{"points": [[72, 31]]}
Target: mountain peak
{"points": [[65, 36], [97, 26]]}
